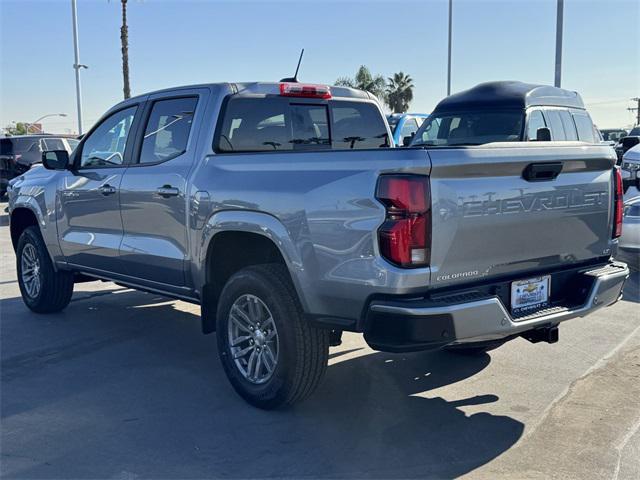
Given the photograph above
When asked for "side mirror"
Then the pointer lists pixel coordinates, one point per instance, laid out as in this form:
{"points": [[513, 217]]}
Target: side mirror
{"points": [[543, 134], [55, 159], [406, 141]]}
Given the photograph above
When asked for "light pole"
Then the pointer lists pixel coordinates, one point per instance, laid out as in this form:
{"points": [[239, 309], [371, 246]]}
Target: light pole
{"points": [[77, 65], [559, 20], [27, 125], [449, 55]]}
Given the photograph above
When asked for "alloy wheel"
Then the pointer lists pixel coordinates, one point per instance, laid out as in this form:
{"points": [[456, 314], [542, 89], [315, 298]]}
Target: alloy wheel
{"points": [[253, 339]]}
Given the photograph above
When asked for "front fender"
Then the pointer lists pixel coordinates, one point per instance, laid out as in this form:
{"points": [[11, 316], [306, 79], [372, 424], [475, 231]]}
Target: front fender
{"points": [[258, 223], [33, 198]]}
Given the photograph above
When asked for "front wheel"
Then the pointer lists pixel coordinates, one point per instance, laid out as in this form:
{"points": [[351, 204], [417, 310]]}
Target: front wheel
{"points": [[43, 289], [270, 353]]}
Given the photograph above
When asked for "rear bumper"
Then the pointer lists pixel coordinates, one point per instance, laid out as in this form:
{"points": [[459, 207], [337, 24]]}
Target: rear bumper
{"points": [[407, 325]]}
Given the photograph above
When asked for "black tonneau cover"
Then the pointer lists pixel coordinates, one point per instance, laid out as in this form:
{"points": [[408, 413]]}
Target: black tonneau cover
{"points": [[509, 95]]}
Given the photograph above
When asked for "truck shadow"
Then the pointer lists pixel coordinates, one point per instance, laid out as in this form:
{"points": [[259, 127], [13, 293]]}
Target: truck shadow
{"points": [[124, 384]]}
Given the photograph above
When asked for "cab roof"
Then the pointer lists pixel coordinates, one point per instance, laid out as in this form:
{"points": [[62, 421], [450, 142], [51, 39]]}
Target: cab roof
{"points": [[260, 88], [508, 95]]}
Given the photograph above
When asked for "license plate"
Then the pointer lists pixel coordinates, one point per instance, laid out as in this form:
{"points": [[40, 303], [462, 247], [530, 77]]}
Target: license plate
{"points": [[530, 294]]}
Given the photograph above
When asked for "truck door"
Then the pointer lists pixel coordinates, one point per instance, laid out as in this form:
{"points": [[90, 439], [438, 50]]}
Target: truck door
{"points": [[89, 223], [153, 195]]}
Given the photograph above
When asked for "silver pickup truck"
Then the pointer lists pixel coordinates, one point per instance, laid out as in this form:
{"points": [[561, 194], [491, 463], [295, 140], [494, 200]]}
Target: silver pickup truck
{"points": [[280, 210]]}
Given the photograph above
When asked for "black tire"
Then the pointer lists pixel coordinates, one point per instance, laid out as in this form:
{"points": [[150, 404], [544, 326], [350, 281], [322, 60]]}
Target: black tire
{"points": [[474, 349], [55, 288], [303, 350]]}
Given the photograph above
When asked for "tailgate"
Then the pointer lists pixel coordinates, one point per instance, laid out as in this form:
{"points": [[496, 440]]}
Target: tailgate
{"points": [[489, 220]]}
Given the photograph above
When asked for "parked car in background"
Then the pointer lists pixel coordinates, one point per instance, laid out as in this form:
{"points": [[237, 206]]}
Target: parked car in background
{"points": [[630, 238], [613, 134], [631, 168], [627, 142], [507, 112], [404, 126], [18, 153]]}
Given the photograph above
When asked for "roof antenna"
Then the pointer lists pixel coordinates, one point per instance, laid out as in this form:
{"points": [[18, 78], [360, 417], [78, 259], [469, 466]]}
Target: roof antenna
{"points": [[295, 75]]}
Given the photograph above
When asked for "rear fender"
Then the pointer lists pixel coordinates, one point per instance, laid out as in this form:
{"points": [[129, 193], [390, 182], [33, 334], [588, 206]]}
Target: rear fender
{"points": [[261, 224]]}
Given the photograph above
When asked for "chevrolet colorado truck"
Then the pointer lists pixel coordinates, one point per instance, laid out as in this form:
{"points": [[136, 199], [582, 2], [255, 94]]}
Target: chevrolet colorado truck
{"points": [[280, 210]]}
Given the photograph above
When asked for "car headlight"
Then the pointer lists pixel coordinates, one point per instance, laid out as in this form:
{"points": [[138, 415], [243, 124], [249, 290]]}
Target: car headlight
{"points": [[631, 166]]}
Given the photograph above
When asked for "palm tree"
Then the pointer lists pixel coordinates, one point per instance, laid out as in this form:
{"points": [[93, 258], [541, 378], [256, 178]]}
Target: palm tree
{"points": [[124, 40], [365, 80], [399, 92]]}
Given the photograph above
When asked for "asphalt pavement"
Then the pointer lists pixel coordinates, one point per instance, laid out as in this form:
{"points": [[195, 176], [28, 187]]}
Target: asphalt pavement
{"points": [[122, 384]]}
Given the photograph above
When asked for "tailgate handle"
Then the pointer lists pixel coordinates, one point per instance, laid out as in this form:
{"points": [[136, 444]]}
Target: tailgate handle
{"points": [[542, 172]]}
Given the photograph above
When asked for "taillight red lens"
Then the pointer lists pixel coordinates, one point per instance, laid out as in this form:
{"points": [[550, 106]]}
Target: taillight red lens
{"points": [[405, 236], [618, 204], [307, 90]]}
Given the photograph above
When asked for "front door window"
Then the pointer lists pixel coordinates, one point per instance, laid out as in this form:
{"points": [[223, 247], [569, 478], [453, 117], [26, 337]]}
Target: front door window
{"points": [[105, 146]]}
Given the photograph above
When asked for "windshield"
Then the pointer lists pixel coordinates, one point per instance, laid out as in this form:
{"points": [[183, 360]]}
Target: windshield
{"points": [[472, 128], [635, 132]]}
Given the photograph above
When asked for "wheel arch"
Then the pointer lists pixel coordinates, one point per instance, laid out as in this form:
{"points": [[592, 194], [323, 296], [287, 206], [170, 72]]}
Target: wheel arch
{"points": [[234, 240], [21, 218]]}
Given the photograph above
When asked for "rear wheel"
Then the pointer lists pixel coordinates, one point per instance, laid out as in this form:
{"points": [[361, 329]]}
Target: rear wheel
{"points": [[43, 289], [269, 351]]}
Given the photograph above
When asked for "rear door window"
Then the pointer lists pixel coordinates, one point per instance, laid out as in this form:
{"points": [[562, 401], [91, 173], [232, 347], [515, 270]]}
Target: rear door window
{"points": [[281, 124], [167, 131], [584, 126]]}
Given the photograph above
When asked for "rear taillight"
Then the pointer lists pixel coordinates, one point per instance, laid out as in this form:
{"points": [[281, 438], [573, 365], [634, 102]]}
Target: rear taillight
{"points": [[405, 236], [306, 90], [618, 204]]}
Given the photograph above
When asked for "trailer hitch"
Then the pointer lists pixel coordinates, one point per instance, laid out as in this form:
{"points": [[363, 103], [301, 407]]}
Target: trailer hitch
{"points": [[544, 334]]}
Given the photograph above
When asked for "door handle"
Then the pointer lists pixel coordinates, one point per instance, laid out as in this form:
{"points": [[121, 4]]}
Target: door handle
{"points": [[167, 191], [542, 172], [107, 189]]}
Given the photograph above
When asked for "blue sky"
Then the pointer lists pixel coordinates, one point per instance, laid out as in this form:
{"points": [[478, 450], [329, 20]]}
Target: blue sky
{"points": [[183, 42]]}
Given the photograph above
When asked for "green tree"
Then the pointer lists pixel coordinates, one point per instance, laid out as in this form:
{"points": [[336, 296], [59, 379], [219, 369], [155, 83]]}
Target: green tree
{"points": [[399, 92], [365, 80], [18, 128]]}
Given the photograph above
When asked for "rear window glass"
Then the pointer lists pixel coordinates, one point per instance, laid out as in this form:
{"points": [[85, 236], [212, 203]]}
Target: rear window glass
{"points": [[282, 124], [557, 128], [358, 125], [473, 128], [585, 127], [536, 121], [569, 127]]}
